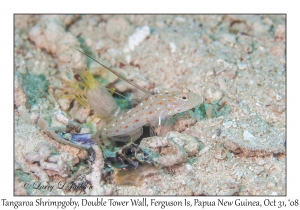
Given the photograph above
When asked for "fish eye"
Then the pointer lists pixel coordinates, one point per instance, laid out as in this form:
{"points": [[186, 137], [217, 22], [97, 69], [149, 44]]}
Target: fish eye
{"points": [[184, 96]]}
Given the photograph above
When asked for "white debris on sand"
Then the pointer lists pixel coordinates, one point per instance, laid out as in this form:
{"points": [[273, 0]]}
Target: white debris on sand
{"points": [[137, 38]]}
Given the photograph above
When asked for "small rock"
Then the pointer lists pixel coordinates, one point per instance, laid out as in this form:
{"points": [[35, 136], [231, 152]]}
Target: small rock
{"points": [[218, 95], [59, 115], [21, 70], [222, 84], [213, 95], [84, 130], [64, 103], [244, 125], [121, 87], [220, 152], [204, 150], [247, 48], [234, 124], [35, 108], [20, 98], [128, 58], [270, 185], [34, 116], [278, 49], [99, 45], [173, 47], [278, 97], [278, 109], [118, 28], [242, 66], [67, 136], [206, 39], [231, 146], [189, 167], [22, 110], [228, 124], [180, 19], [260, 162], [137, 38], [248, 136], [251, 82], [88, 42], [79, 113], [280, 33], [43, 124], [210, 73], [189, 143]]}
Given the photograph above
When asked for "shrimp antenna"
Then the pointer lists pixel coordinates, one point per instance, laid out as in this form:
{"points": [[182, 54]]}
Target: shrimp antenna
{"points": [[118, 75]]}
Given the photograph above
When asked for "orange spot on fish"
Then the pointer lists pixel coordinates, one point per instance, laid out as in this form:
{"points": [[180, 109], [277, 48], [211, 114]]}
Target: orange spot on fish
{"points": [[160, 103], [146, 99], [126, 126], [150, 113], [169, 100], [150, 104], [117, 130], [136, 120], [143, 108]]}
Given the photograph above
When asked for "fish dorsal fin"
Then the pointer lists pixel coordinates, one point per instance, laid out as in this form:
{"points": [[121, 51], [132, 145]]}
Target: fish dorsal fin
{"points": [[118, 75]]}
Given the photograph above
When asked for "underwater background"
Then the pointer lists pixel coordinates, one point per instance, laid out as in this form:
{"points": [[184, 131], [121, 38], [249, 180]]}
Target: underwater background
{"points": [[232, 143]]}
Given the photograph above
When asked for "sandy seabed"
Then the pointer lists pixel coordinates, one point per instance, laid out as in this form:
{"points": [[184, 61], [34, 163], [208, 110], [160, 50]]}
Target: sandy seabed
{"points": [[237, 63]]}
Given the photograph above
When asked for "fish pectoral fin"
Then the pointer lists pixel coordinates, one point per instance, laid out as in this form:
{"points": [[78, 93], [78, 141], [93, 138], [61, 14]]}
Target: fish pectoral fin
{"points": [[165, 126], [152, 129]]}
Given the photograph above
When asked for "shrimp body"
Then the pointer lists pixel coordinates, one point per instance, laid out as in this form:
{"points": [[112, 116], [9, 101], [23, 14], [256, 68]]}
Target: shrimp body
{"points": [[153, 108]]}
